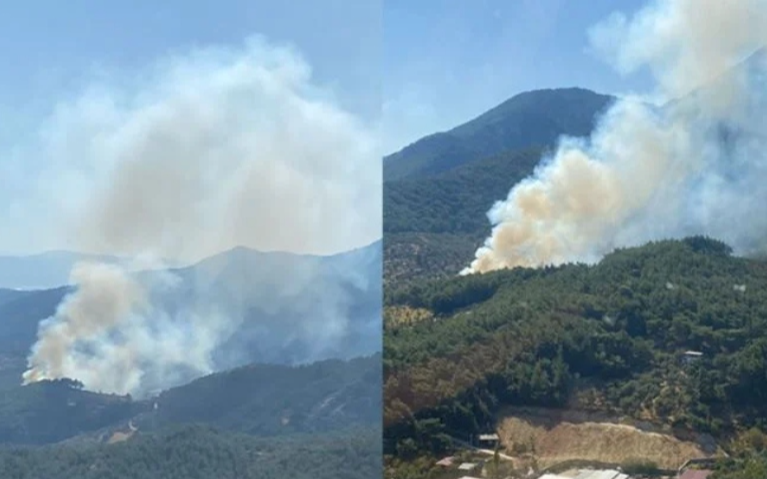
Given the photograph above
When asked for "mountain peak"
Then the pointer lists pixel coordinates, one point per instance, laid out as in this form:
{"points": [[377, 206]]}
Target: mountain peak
{"points": [[529, 119]]}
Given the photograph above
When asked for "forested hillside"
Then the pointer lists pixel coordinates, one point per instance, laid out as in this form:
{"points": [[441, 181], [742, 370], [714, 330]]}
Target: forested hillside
{"points": [[437, 192], [199, 452], [432, 226], [321, 420], [608, 337], [268, 400], [259, 399]]}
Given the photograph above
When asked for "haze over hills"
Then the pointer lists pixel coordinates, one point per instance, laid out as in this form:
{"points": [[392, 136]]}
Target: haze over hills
{"points": [[275, 374], [44, 270], [170, 156], [275, 308]]}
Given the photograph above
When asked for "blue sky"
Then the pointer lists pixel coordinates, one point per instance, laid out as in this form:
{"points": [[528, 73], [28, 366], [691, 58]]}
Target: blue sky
{"points": [[51, 46], [446, 61]]}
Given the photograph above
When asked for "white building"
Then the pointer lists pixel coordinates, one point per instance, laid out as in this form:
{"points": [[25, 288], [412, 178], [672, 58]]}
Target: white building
{"points": [[691, 356]]}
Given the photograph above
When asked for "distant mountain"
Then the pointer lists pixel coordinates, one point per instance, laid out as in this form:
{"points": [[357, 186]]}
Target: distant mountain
{"points": [[44, 270], [532, 119], [292, 307], [21, 311], [287, 308]]}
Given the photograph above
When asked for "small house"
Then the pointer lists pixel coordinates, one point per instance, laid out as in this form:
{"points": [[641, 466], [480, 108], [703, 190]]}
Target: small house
{"points": [[690, 357], [488, 440]]}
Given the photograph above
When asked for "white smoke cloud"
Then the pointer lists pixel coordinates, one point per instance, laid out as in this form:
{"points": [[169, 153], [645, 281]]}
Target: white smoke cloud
{"points": [[214, 149], [684, 43], [694, 166], [105, 297], [203, 152]]}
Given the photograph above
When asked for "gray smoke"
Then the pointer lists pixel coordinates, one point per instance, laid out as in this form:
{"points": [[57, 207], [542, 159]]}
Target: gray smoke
{"points": [[199, 154], [695, 165]]}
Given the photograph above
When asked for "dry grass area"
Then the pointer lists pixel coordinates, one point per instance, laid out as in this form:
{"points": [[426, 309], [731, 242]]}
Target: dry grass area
{"points": [[556, 436], [120, 437], [405, 315]]}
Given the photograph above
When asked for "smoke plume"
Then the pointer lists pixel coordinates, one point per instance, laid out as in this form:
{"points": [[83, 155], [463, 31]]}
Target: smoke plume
{"points": [[198, 154], [695, 165]]}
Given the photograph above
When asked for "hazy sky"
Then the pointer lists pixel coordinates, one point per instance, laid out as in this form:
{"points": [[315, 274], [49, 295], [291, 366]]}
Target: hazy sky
{"points": [[51, 46], [86, 70], [94, 92], [446, 61]]}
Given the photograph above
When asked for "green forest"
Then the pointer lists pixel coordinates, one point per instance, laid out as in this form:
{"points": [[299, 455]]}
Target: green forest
{"points": [[321, 420], [263, 400], [201, 452], [611, 335], [432, 226]]}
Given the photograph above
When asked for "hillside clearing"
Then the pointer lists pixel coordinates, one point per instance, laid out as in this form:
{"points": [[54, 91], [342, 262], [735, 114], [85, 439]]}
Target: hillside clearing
{"points": [[555, 437]]}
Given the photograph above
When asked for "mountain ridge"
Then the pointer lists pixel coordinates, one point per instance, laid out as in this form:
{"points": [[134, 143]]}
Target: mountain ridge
{"points": [[51, 269], [273, 306], [528, 119]]}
